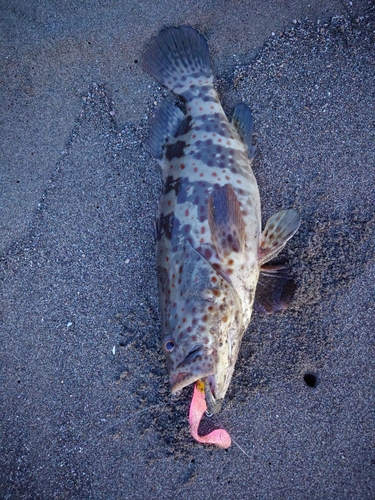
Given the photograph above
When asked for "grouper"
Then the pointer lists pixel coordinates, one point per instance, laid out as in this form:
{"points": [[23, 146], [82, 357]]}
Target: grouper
{"points": [[209, 245]]}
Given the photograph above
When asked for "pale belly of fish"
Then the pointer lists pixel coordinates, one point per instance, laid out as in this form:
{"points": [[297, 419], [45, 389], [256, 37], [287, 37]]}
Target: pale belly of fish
{"points": [[210, 248]]}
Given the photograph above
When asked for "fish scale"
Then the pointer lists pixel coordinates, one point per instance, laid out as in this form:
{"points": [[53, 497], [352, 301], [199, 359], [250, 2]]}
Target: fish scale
{"points": [[217, 149], [209, 244]]}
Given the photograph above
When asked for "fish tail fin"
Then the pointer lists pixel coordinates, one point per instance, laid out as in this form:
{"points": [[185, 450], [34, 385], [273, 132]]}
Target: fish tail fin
{"points": [[179, 59]]}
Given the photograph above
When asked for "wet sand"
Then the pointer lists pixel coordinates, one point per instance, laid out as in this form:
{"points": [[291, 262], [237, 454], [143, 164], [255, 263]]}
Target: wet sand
{"points": [[87, 411]]}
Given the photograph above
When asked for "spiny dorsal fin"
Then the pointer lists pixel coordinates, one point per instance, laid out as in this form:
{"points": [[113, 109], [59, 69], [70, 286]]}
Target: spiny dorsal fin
{"points": [[243, 121], [167, 121], [226, 221], [178, 58], [274, 292], [279, 229]]}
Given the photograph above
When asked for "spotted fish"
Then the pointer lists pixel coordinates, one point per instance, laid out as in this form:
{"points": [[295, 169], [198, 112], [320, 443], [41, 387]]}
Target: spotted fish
{"points": [[210, 248]]}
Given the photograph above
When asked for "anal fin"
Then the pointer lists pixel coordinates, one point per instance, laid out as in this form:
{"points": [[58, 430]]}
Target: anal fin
{"points": [[243, 121], [167, 121], [279, 229], [226, 221], [274, 292]]}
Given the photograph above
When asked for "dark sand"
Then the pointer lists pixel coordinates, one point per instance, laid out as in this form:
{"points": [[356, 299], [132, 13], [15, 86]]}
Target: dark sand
{"points": [[86, 409]]}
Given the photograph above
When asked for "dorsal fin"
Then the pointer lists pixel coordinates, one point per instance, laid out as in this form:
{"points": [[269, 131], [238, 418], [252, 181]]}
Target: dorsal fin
{"points": [[279, 229], [243, 121], [226, 221], [167, 121]]}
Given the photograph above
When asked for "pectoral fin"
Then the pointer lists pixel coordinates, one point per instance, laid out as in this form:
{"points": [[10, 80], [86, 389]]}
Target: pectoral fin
{"points": [[279, 229], [226, 221], [275, 290]]}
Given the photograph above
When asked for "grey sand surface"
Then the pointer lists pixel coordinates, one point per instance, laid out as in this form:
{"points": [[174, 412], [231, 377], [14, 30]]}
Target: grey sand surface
{"points": [[87, 411]]}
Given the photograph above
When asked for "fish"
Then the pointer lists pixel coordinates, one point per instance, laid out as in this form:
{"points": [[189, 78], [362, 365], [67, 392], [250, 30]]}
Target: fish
{"points": [[210, 249]]}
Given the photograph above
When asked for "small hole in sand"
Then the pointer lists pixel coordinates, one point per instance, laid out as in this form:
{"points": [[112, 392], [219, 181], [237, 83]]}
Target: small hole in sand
{"points": [[310, 379]]}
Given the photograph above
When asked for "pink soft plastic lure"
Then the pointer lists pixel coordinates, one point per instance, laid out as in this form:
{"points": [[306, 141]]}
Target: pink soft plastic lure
{"points": [[198, 406]]}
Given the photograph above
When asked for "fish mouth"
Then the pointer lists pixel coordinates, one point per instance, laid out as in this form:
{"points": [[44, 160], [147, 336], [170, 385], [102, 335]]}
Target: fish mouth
{"points": [[193, 356], [191, 369], [213, 405]]}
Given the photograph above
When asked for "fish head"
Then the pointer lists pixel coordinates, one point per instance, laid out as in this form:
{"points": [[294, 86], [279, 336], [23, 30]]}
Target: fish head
{"points": [[230, 335], [196, 321], [191, 341], [187, 362]]}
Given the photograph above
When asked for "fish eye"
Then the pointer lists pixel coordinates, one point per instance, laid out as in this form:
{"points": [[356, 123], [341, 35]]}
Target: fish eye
{"points": [[169, 346]]}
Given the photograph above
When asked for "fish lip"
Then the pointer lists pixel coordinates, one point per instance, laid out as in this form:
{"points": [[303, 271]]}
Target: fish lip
{"points": [[183, 375], [181, 380], [213, 405], [192, 356]]}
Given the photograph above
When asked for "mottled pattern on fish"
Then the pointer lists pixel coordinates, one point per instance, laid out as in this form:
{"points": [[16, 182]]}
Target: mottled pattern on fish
{"points": [[209, 224]]}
